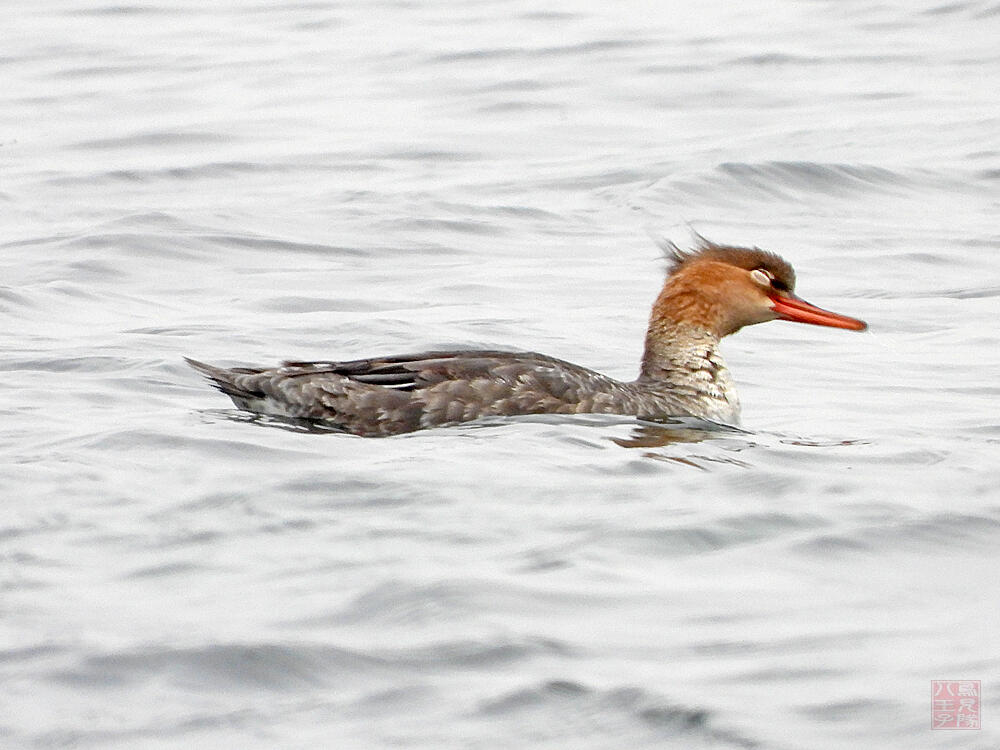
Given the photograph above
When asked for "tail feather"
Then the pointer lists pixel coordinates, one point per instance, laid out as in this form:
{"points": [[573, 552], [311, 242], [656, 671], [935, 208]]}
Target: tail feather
{"points": [[226, 380]]}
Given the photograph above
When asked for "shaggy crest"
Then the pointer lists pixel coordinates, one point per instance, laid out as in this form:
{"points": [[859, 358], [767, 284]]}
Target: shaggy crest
{"points": [[748, 258]]}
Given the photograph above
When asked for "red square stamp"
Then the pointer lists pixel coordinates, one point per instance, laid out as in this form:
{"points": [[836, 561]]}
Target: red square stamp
{"points": [[955, 704]]}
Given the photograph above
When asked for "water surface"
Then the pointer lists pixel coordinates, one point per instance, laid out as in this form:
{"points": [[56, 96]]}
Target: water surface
{"points": [[259, 180]]}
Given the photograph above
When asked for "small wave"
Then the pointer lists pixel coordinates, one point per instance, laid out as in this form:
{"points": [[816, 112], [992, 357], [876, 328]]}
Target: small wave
{"points": [[303, 304], [153, 139], [207, 170], [937, 533], [585, 50], [791, 181], [714, 535], [519, 106], [557, 704], [11, 301], [400, 603], [20, 654], [120, 9], [471, 653], [428, 155], [813, 176], [82, 364], [776, 58], [270, 244], [269, 666], [418, 224], [284, 666]]}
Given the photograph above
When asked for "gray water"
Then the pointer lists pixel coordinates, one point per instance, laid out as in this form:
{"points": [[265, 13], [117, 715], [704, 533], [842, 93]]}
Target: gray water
{"points": [[246, 182]]}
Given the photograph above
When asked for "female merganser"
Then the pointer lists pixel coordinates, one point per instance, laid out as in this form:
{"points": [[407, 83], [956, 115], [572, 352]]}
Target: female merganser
{"points": [[710, 292]]}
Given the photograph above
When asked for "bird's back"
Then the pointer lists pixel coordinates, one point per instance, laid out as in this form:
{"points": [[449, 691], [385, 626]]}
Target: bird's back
{"points": [[395, 394]]}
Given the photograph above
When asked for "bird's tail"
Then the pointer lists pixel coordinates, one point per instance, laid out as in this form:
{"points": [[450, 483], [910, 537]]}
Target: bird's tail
{"points": [[226, 380]]}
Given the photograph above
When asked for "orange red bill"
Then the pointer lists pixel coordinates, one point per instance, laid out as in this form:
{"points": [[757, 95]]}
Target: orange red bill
{"points": [[797, 309]]}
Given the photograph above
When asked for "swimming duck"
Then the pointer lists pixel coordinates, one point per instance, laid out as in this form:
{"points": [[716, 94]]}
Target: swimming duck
{"points": [[710, 292]]}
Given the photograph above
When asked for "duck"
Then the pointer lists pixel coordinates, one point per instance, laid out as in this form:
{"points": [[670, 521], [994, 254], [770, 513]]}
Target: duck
{"points": [[711, 291]]}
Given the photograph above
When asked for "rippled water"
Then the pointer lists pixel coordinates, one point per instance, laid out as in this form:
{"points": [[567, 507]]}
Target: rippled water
{"points": [[322, 179]]}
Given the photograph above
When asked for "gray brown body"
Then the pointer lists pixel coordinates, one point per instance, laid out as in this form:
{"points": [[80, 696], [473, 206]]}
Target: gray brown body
{"points": [[396, 394]]}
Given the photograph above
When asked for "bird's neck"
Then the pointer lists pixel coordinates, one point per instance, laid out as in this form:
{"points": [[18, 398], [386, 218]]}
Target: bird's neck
{"points": [[685, 360]]}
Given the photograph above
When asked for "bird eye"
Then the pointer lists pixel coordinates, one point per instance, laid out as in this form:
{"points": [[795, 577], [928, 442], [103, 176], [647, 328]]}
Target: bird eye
{"points": [[762, 276]]}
